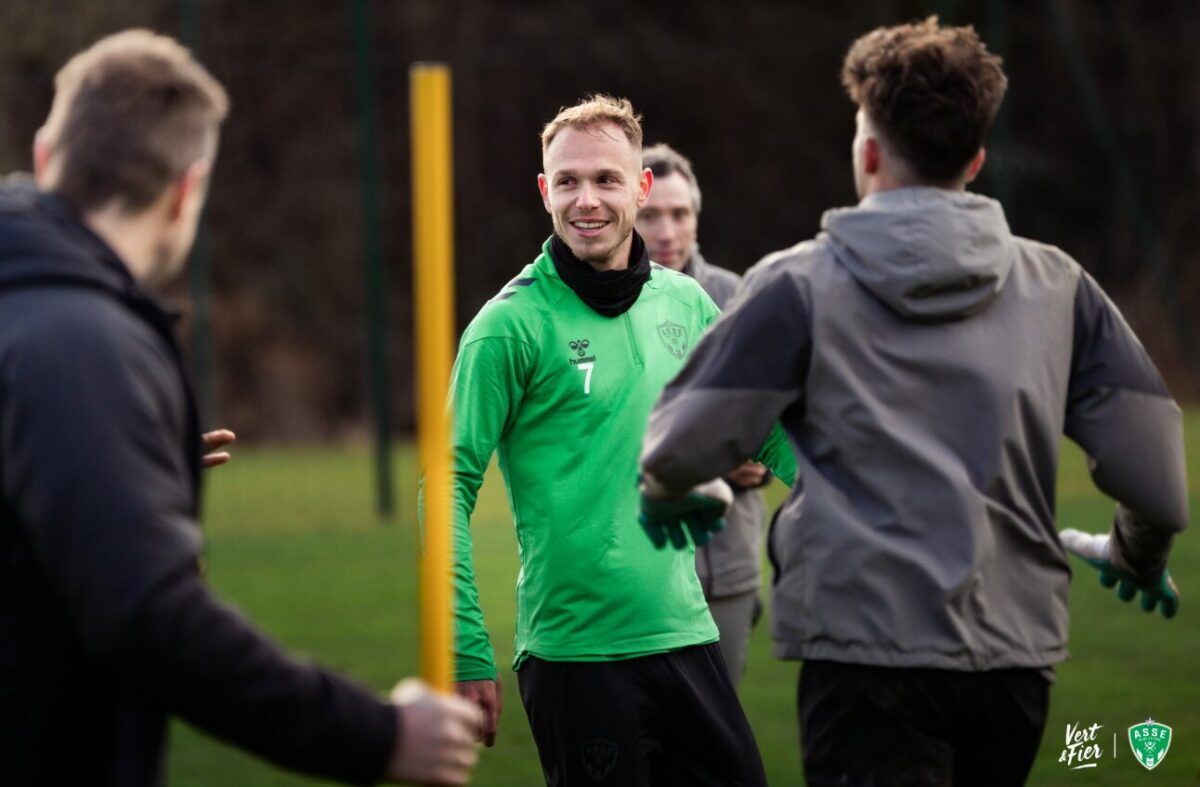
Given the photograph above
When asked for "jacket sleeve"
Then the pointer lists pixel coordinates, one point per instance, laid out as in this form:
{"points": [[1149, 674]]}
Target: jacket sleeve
{"points": [[776, 452], [745, 372], [486, 388], [91, 424], [1120, 413]]}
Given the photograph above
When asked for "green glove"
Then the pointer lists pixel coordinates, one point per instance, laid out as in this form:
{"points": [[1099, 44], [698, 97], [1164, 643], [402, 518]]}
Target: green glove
{"points": [[1094, 549], [700, 512]]}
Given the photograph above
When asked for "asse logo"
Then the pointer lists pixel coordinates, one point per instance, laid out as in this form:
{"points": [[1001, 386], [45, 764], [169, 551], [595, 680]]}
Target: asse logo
{"points": [[1084, 748]]}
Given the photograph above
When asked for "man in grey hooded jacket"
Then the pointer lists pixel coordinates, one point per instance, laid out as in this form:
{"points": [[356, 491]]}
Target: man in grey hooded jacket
{"points": [[729, 566], [925, 362]]}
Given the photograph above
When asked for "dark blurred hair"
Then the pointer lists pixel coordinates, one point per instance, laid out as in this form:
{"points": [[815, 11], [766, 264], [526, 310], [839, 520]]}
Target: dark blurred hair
{"points": [[130, 115], [932, 91], [664, 160]]}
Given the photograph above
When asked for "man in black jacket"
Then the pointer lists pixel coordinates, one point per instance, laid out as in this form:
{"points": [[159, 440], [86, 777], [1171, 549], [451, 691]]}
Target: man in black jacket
{"points": [[105, 624]]}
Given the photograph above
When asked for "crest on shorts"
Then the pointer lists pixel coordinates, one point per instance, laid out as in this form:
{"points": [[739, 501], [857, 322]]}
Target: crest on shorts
{"points": [[599, 758], [675, 337], [1150, 741]]}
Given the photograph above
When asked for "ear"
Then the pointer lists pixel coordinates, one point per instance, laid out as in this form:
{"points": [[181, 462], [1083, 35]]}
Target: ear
{"points": [[41, 156], [189, 189], [544, 188], [872, 155], [645, 183], [976, 165]]}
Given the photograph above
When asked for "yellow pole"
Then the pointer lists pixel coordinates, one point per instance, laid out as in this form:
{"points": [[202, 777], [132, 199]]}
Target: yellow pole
{"points": [[433, 296]]}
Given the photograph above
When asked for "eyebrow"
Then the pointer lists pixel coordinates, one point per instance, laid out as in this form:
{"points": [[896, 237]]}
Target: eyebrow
{"points": [[599, 173]]}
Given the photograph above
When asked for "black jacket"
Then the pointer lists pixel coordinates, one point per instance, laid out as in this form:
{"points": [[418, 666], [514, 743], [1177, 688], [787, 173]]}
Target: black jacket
{"points": [[105, 623]]}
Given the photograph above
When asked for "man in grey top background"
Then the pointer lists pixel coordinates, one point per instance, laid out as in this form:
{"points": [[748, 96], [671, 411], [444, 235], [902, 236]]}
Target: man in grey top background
{"points": [[729, 566], [924, 362]]}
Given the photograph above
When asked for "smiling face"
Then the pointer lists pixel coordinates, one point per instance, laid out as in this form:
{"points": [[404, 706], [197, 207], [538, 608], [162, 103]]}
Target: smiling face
{"points": [[592, 186], [668, 221]]}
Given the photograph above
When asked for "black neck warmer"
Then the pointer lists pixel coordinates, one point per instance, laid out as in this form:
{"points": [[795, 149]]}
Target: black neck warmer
{"points": [[609, 293]]}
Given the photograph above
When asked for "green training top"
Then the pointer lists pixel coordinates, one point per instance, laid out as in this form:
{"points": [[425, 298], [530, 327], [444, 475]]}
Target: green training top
{"points": [[564, 393]]}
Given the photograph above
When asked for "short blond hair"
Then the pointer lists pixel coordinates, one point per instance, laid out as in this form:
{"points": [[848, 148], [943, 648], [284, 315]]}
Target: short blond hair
{"points": [[593, 109], [130, 115]]}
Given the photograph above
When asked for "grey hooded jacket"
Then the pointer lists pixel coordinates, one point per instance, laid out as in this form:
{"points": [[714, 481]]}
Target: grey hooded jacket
{"points": [[924, 363], [729, 564]]}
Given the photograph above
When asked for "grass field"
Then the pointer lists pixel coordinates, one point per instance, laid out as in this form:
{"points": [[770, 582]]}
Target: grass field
{"points": [[292, 540]]}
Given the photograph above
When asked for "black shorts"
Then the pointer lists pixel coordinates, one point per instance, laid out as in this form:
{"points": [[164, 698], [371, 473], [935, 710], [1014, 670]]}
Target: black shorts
{"points": [[894, 727], [670, 719]]}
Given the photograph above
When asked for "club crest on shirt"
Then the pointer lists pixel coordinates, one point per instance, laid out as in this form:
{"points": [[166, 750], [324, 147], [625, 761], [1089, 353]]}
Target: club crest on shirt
{"points": [[674, 337], [599, 758]]}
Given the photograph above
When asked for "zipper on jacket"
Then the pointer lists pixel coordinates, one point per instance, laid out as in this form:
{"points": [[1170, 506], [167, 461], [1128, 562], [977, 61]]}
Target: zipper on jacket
{"points": [[633, 347]]}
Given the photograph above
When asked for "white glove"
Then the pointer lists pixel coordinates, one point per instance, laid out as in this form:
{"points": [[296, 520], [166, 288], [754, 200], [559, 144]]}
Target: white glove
{"points": [[1089, 546], [716, 489]]}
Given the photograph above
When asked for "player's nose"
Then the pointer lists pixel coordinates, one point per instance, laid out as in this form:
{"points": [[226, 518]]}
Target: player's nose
{"points": [[587, 196]]}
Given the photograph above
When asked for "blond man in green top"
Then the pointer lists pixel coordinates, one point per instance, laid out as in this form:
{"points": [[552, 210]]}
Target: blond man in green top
{"points": [[616, 651]]}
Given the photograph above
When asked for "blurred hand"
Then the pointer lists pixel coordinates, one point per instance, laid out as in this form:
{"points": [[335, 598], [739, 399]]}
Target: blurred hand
{"points": [[749, 475], [1094, 549], [437, 736], [213, 441], [669, 516], [488, 695]]}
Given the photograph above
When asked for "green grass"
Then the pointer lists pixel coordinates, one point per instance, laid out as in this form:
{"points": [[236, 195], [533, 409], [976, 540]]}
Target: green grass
{"points": [[293, 541]]}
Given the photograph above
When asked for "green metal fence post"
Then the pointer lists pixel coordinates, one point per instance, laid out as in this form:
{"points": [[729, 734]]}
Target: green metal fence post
{"points": [[374, 277], [200, 269]]}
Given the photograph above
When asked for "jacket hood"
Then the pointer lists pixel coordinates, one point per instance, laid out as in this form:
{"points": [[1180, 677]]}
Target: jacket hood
{"points": [[43, 241], [930, 254]]}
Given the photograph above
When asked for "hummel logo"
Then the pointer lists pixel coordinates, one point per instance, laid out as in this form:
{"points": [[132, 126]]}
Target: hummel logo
{"points": [[584, 363], [580, 348]]}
